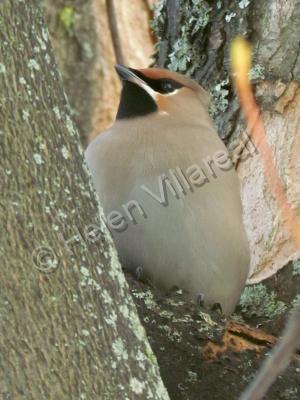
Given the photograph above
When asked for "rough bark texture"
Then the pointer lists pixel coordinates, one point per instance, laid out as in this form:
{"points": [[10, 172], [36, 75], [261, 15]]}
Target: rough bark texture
{"points": [[194, 38], [69, 329], [270, 241], [82, 41]]}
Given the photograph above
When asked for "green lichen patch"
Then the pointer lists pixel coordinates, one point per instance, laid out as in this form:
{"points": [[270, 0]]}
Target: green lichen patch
{"points": [[183, 54], [256, 301], [257, 72], [219, 98], [296, 301], [67, 18], [296, 268]]}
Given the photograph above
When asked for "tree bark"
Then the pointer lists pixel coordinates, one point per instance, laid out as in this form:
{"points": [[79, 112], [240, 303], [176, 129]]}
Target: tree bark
{"points": [[69, 329], [199, 46]]}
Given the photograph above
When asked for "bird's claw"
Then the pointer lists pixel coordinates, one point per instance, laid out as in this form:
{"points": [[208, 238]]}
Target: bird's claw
{"points": [[200, 300], [139, 272]]}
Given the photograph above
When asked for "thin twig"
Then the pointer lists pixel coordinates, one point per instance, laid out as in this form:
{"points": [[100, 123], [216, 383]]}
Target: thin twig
{"points": [[278, 360], [115, 34]]}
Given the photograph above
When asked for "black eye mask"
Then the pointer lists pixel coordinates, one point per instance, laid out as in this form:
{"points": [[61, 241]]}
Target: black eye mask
{"points": [[163, 85]]}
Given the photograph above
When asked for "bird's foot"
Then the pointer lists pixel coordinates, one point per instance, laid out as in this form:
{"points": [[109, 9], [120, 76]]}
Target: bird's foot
{"points": [[218, 308], [139, 273], [200, 300]]}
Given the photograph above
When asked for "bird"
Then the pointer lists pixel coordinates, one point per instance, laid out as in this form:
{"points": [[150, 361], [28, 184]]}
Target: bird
{"points": [[169, 191]]}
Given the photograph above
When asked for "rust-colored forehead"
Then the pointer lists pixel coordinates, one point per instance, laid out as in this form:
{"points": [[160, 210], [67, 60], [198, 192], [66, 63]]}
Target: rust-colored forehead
{"points": [[160, 73]]}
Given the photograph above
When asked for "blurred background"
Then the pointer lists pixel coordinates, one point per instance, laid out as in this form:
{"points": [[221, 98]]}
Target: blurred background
{"points": [[87, 37]]}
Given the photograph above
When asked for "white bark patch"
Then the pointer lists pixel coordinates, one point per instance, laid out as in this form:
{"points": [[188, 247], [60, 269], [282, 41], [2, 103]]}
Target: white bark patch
{"points": [[141, 359], [70, 126], [124, 311], [38, 159], [244, 3], [41, 43], [57, 113], [33, 65], [228, 17], [2, 68], [120, 350], [106, 296], [65, 153], [55, 227], [47, 58], [85, 271], [112, 319], [99, 270], [137, 386], [25, 115], [45, 34]]}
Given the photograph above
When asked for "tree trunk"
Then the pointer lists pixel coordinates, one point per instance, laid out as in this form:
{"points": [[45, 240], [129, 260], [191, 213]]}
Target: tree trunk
{"points": [[194, 38], [83, 45], [69, 329]]}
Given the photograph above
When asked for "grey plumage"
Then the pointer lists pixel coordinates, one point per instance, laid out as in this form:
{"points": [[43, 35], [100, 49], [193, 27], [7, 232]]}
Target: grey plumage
{"points": [[197, 240]]}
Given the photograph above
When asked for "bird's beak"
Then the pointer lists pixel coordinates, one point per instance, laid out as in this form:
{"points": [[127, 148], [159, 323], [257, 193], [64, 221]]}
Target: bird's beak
{"points": [[127, 74]]}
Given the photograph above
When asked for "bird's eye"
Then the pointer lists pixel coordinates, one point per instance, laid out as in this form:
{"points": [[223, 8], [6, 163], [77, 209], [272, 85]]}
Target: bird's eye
{"points": [[167, 86]]}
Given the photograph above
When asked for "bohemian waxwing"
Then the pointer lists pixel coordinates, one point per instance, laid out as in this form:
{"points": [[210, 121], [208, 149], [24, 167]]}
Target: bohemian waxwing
{"points": [[169, 190]]}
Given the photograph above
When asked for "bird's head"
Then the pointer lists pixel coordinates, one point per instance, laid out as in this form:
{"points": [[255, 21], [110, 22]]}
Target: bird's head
{"points": [[153, 90]]}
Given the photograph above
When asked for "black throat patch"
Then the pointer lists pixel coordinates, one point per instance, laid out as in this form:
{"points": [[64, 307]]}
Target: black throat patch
{"points": [[135, 102]]}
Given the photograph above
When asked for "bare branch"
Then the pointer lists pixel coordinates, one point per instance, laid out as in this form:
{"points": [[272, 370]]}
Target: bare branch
{"points": [[278, 360], [115, 34]]}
